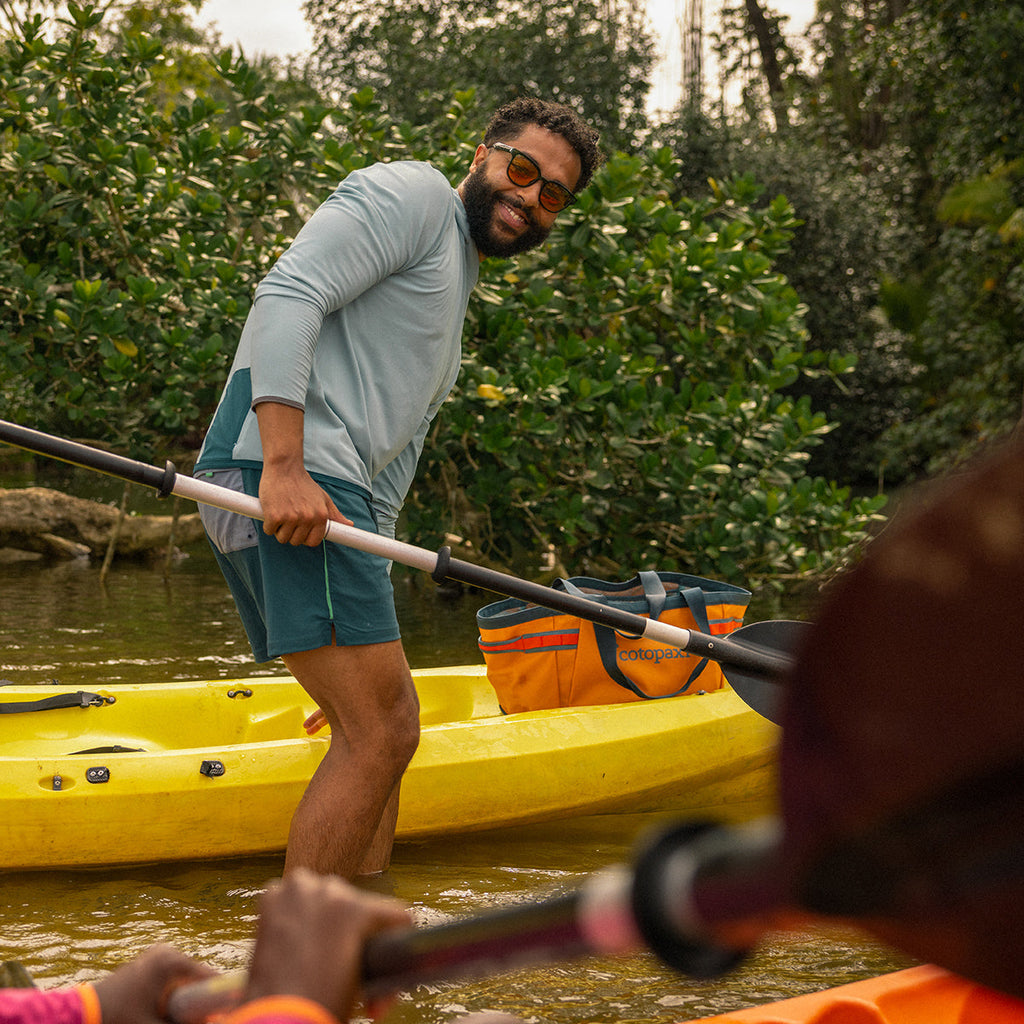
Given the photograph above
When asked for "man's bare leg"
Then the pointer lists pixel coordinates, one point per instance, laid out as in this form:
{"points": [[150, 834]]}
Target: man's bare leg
{"points": [[378, 854], [367, 694]]}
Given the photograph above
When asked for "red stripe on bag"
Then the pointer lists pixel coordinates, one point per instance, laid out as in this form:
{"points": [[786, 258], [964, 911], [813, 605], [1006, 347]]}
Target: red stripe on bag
{"points": [[559, 640]]}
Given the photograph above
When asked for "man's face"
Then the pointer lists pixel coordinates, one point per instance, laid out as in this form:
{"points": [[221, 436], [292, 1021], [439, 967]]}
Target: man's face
{"points": [[506, 219]]}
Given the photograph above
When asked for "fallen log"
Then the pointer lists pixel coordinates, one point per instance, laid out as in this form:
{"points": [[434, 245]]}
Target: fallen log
{"points": [[59, 525]]}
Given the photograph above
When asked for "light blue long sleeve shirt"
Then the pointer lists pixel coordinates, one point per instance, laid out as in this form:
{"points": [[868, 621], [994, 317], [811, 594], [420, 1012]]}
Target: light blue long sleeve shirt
{"points": [[359, 323]]}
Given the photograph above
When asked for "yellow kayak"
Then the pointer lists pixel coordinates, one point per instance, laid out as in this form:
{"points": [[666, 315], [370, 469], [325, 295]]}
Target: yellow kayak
{"points": [[190, 770], [918, 995]]}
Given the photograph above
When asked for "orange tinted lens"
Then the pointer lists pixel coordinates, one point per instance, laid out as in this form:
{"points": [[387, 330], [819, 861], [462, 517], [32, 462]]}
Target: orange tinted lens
{"points": [[553, 197], [522, 170]]}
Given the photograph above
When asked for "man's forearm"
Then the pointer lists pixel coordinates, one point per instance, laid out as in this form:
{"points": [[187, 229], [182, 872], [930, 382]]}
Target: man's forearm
{"points": [[281, 434]]}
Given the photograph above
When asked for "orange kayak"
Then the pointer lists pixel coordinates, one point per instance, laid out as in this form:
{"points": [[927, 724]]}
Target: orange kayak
{"points": [[918, 995]]}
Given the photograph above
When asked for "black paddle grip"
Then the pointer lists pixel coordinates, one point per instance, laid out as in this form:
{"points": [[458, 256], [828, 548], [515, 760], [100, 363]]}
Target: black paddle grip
{"points": [[655, 898], [444, 560]]}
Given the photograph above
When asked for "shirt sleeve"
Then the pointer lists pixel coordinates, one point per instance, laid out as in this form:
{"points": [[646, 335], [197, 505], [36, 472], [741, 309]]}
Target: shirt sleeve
{"points": [[57, 1006], [378, 221], [280, 1010]]}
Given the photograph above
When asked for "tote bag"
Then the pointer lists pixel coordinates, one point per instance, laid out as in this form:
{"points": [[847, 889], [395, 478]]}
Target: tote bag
{"points": [[538, 658]]}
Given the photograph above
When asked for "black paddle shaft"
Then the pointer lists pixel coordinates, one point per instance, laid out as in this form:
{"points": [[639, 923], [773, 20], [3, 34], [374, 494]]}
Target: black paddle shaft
{"points": [[161, 480], [619, 911]]}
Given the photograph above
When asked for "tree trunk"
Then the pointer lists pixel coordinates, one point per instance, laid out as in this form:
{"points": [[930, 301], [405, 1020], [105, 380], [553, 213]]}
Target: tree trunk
{"points": [[172, 535], [115, 534], [769, 63]]}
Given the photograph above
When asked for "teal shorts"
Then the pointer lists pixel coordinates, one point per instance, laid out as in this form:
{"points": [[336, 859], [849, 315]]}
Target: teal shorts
{"points": [[298, 598]]}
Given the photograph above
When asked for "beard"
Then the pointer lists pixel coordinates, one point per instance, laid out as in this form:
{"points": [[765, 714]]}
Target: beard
{"points": [[480, 199]]}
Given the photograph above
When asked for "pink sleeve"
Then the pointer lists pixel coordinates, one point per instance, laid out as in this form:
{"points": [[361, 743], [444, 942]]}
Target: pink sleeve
{"points": [[57, 1006], [279, 1010]]}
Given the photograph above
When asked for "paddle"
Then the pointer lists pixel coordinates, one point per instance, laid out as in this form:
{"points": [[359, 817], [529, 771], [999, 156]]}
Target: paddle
{"points": [[752, 657], [902, 759], [618, 911]]}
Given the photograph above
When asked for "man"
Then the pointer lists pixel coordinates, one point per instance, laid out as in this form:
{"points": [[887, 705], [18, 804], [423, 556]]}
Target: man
{"points": [[352, 345]]}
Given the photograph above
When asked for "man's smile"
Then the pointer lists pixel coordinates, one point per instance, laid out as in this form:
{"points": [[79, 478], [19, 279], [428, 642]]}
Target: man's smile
{"points": [[512, 214]]}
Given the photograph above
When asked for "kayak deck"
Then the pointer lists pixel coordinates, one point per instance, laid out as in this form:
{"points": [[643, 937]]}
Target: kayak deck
{"points": [[215, 769], [917, 995]]}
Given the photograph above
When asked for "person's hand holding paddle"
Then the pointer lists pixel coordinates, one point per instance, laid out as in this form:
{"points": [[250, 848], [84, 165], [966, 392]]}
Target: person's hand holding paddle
{"points": [[310, 939], [137, 992], [310, 942]]}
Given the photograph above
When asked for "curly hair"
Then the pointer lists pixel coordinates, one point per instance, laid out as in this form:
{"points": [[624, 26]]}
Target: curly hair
{"points": [[509, 120]]}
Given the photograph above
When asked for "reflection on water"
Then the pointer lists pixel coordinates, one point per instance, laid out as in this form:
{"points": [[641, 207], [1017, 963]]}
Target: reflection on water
{"points": [[56, 621], [73, 926]]}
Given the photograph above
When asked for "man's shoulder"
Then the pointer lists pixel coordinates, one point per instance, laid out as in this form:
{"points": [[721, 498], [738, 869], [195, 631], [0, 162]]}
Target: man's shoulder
{"points": [[416, 175], [410, 193]]}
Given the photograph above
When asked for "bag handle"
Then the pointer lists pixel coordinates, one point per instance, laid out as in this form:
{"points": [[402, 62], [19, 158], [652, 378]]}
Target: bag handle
{"points": [[654, 592], [608, 645]]}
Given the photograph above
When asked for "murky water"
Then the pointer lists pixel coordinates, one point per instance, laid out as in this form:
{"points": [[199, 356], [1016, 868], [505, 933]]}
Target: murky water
{"points": [[57, 622]]}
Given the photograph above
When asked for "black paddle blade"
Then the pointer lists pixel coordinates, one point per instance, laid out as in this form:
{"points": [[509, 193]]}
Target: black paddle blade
{"points": [[781, 636]]}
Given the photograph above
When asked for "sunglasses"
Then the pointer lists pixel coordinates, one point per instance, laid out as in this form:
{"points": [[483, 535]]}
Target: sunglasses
{"points": [[523, 171]]}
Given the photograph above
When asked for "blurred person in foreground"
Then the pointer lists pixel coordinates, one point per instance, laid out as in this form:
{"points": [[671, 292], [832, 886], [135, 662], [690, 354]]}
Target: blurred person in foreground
{"points": [[304, 969]]}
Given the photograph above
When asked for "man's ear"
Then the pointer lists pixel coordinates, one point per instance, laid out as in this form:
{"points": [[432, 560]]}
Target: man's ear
{"points": [[479, 156]]}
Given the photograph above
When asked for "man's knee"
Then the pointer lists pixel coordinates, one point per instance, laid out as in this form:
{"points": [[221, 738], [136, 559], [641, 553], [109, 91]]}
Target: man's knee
{"points": [[403, 731], [393, 731]]}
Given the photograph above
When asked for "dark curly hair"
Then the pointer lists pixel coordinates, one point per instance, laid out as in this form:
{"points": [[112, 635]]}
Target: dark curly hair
{"points": [[509, 120]]}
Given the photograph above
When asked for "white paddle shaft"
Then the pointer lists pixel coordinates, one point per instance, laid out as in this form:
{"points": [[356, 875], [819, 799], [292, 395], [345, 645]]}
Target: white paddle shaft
{"points": [[207, 493]]}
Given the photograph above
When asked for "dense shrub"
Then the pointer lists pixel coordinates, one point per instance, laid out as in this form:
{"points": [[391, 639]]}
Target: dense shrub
{"points": [[623, 400]]}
